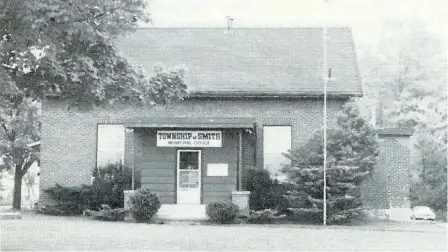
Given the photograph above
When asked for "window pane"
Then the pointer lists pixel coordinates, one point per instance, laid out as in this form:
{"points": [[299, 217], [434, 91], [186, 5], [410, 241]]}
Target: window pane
{"points": [[276, 140], [110, 144]]}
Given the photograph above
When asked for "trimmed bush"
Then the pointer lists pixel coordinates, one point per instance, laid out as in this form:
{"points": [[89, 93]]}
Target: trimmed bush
{"points": [[222, 212], [144, 205]]}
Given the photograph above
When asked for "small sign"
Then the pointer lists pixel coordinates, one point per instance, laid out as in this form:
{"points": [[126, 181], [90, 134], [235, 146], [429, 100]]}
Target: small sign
{"points": [[189, 179], [178, 138], [218, 170]]}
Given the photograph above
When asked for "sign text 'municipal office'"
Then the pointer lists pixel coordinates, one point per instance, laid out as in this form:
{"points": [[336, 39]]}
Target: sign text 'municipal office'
{"points": [[183, 138]]}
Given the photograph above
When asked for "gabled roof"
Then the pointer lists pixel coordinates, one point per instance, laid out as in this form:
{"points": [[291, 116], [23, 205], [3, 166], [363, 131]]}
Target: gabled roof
{"points": [[249, 61]]}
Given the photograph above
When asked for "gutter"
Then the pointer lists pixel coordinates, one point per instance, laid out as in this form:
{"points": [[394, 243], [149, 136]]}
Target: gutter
{"points": [[264, 94], [239, 94]]}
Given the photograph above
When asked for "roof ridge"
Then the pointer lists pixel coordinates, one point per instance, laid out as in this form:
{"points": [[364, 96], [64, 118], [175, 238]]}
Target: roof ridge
{"points": [[243, 28]]}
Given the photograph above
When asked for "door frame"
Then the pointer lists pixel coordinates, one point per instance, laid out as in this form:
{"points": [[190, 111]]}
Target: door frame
{"points": [[199, 151]]}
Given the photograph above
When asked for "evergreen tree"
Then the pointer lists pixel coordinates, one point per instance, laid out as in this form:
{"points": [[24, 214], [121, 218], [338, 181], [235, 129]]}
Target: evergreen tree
{"points": [[352, 149]]}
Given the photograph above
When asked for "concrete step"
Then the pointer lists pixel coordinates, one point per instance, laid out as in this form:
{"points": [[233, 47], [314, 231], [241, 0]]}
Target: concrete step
{"points": [[182, 212]]}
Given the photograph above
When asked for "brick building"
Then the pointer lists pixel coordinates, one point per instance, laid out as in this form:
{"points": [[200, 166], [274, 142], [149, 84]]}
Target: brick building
{"points": [[254, 93]]}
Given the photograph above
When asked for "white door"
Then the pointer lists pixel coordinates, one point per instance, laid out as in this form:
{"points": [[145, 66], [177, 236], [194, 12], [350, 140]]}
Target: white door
{"points": [[189, 176]]}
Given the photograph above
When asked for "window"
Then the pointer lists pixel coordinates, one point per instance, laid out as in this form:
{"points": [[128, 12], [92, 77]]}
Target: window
{"points": [[110, 144], [276, 141]]}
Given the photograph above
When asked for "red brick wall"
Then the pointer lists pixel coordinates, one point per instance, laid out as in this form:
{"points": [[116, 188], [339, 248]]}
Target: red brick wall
{"points": [[69, 137], [389, 185]]}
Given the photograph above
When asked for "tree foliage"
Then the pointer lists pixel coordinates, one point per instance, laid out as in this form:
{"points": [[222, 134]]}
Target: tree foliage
{"points": [[352, 149], [66, 49], [423, 109], [19, 130], [406, 56], [431, 188]]}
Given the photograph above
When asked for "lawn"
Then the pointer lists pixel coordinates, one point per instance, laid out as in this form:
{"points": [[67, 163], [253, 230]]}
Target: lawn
{"points": [[36, 232]]}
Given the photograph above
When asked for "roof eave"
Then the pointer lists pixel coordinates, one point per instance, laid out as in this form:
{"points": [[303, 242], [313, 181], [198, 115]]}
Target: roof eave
{"points": [[239, 94]]}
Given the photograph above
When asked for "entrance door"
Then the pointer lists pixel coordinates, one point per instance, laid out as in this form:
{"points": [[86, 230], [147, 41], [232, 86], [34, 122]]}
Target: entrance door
{"points": [[189, 176]]}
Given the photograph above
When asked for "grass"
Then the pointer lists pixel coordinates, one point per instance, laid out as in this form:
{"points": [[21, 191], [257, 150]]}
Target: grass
{"points": [[44, 233]]}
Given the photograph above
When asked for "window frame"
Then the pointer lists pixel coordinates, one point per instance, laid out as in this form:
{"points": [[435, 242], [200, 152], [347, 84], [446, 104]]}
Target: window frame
{"points": [[274, 176], [98, 143]]}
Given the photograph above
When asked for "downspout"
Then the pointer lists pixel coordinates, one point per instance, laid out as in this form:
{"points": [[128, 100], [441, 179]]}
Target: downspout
{"points": [[240, 160]]}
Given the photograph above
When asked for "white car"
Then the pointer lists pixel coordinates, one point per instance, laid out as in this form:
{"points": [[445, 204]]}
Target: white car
{"points": [[422, 213]]}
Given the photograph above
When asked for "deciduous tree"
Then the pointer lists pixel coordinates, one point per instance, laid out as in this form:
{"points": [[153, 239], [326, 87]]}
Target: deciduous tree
{"points": [[66, 48], [19, 130]]}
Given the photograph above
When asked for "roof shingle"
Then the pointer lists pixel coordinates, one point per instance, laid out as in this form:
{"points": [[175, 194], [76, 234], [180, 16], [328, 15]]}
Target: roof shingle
{"points": [[249, 61]]}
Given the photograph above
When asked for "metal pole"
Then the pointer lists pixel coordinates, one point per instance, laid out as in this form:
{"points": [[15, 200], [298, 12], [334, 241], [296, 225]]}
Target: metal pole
{"points": [[325, 118]]}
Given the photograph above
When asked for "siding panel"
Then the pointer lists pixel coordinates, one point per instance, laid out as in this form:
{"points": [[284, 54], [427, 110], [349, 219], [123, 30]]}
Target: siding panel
{"points": [[157, 167], [220, 180], [157, 180], [158, 172], [228, 154], [159, 187], [218, 188], [207, 199]]}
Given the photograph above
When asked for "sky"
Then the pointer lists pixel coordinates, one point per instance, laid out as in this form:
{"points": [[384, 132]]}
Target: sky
{"points": [[364, 16]]}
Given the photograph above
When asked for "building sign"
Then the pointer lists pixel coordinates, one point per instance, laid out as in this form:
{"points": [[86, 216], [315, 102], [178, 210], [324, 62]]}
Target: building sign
{"points": [[221, 170], [182, 138]]}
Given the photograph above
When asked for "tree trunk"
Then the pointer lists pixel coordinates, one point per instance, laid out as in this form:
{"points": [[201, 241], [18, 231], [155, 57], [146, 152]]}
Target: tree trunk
{"points": [[17, 196], [423, 153]]}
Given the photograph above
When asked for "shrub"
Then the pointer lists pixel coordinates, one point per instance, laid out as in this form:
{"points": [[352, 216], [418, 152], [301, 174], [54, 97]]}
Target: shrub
{"points": [[108, 214], [109, 183], [275, 198], [262, 217], [66, 209], [265, 193], [144, 205], [258, 183], [107, 188], [306, 215], [79, 196], [222, 212]]}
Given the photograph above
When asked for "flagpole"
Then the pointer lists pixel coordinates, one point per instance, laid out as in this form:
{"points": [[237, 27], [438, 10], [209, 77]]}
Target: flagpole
{"points": [[325, 114]]}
